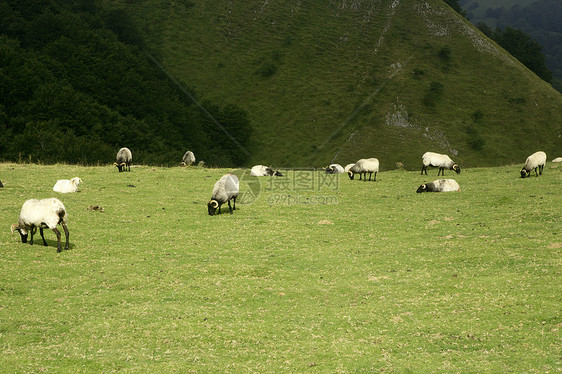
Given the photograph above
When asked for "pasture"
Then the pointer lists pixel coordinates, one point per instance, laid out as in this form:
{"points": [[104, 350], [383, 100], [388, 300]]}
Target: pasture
{"points": [[328, 276]]}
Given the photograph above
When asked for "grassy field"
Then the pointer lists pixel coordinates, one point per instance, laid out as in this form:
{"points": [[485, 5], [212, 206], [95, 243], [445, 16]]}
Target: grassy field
{"points": [[338, 276]]}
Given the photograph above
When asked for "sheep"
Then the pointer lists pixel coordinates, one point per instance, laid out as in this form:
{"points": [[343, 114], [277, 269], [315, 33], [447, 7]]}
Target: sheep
{"points": [[439, 185], [46, 213], [334, 169], [557, 159], [438, 160], [187, 159], [227, 188], [124, 159], [364, 166], [66, 186], [264, 171], [534, 161], [347, 167]]}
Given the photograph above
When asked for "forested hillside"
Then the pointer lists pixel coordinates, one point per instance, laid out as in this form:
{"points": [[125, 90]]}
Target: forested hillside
{"points": [[541, 19], [295, 84], [76, 85]]}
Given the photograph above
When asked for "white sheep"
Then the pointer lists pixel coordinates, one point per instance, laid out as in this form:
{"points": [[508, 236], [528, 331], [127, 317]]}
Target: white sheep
{"points": [[364, 166], [264, 171], [187, 159], [67, 186], [334, 169], [439, 185], [347, 167], [438, 160], [227, 188], [124, 158], [42, 214], [557, 159], [534, 161]]}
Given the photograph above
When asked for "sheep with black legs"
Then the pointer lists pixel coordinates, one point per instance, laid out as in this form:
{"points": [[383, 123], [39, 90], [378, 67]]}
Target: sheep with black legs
{"points": [[334, 169], [364, 166], [535, 161], [187, 159], [67, 186], [264, 171], [440, 161], [227, 188], [439, 185], [124, 158], [42, 214]]}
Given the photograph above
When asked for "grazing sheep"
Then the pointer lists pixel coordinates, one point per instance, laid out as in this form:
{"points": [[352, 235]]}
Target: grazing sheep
{"points": [[557, 159], [439, 185], [438, 160], [227, 188], [66, 186], [334, 169], [187, 159], [42, 214], [364, 166], [264, 171], [124, 159], [534, 161], [347, 167]]}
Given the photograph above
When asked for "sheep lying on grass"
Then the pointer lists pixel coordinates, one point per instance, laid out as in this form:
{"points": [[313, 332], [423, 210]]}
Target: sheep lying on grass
{"points": [[334, 169], [46, 213], [67, 186], [440, 185], [264, 171], [123, 159], [227, 188], [534, 161], [438, 160]]}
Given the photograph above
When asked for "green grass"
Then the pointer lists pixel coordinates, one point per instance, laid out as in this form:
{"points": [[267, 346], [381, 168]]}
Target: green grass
{"points": [[378, 278], [331, 59]]}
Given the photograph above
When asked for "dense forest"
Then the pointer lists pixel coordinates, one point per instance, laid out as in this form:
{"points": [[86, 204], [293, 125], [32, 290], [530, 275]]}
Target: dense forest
{"points": [[77, 83], [540, 19]]}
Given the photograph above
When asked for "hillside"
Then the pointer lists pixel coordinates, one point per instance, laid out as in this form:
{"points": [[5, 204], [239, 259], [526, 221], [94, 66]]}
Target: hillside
{"points": [[345, 80]]}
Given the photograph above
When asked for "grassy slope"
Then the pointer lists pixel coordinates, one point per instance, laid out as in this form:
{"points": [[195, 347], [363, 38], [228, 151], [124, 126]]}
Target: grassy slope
{"points": [[400, 281], [332, 59]]}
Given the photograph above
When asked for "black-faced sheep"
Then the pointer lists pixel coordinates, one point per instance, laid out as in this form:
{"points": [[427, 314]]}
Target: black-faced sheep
{"points": [[42, 214], [187, 159], [67, 186], [124, 159], [438, 160], [227, 188], [334, 169], [439, 185], [264, 171], [364, 166], [534, 161]]}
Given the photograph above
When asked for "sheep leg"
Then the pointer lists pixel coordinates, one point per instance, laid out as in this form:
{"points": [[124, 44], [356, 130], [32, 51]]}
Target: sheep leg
{"points": [[375, 179], [31, 232], [234, 203], [536, 174], [66, 234], [424, 169], [57, 233], [541, 168], [229, 207], [42, 236]]}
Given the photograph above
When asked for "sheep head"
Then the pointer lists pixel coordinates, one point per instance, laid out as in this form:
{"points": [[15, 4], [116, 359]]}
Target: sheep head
{"points": [[21, 230], [351, 175], [277, 173], [212, 207], [422, 188], [456, 168], [183, 164], [525, 173]]}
